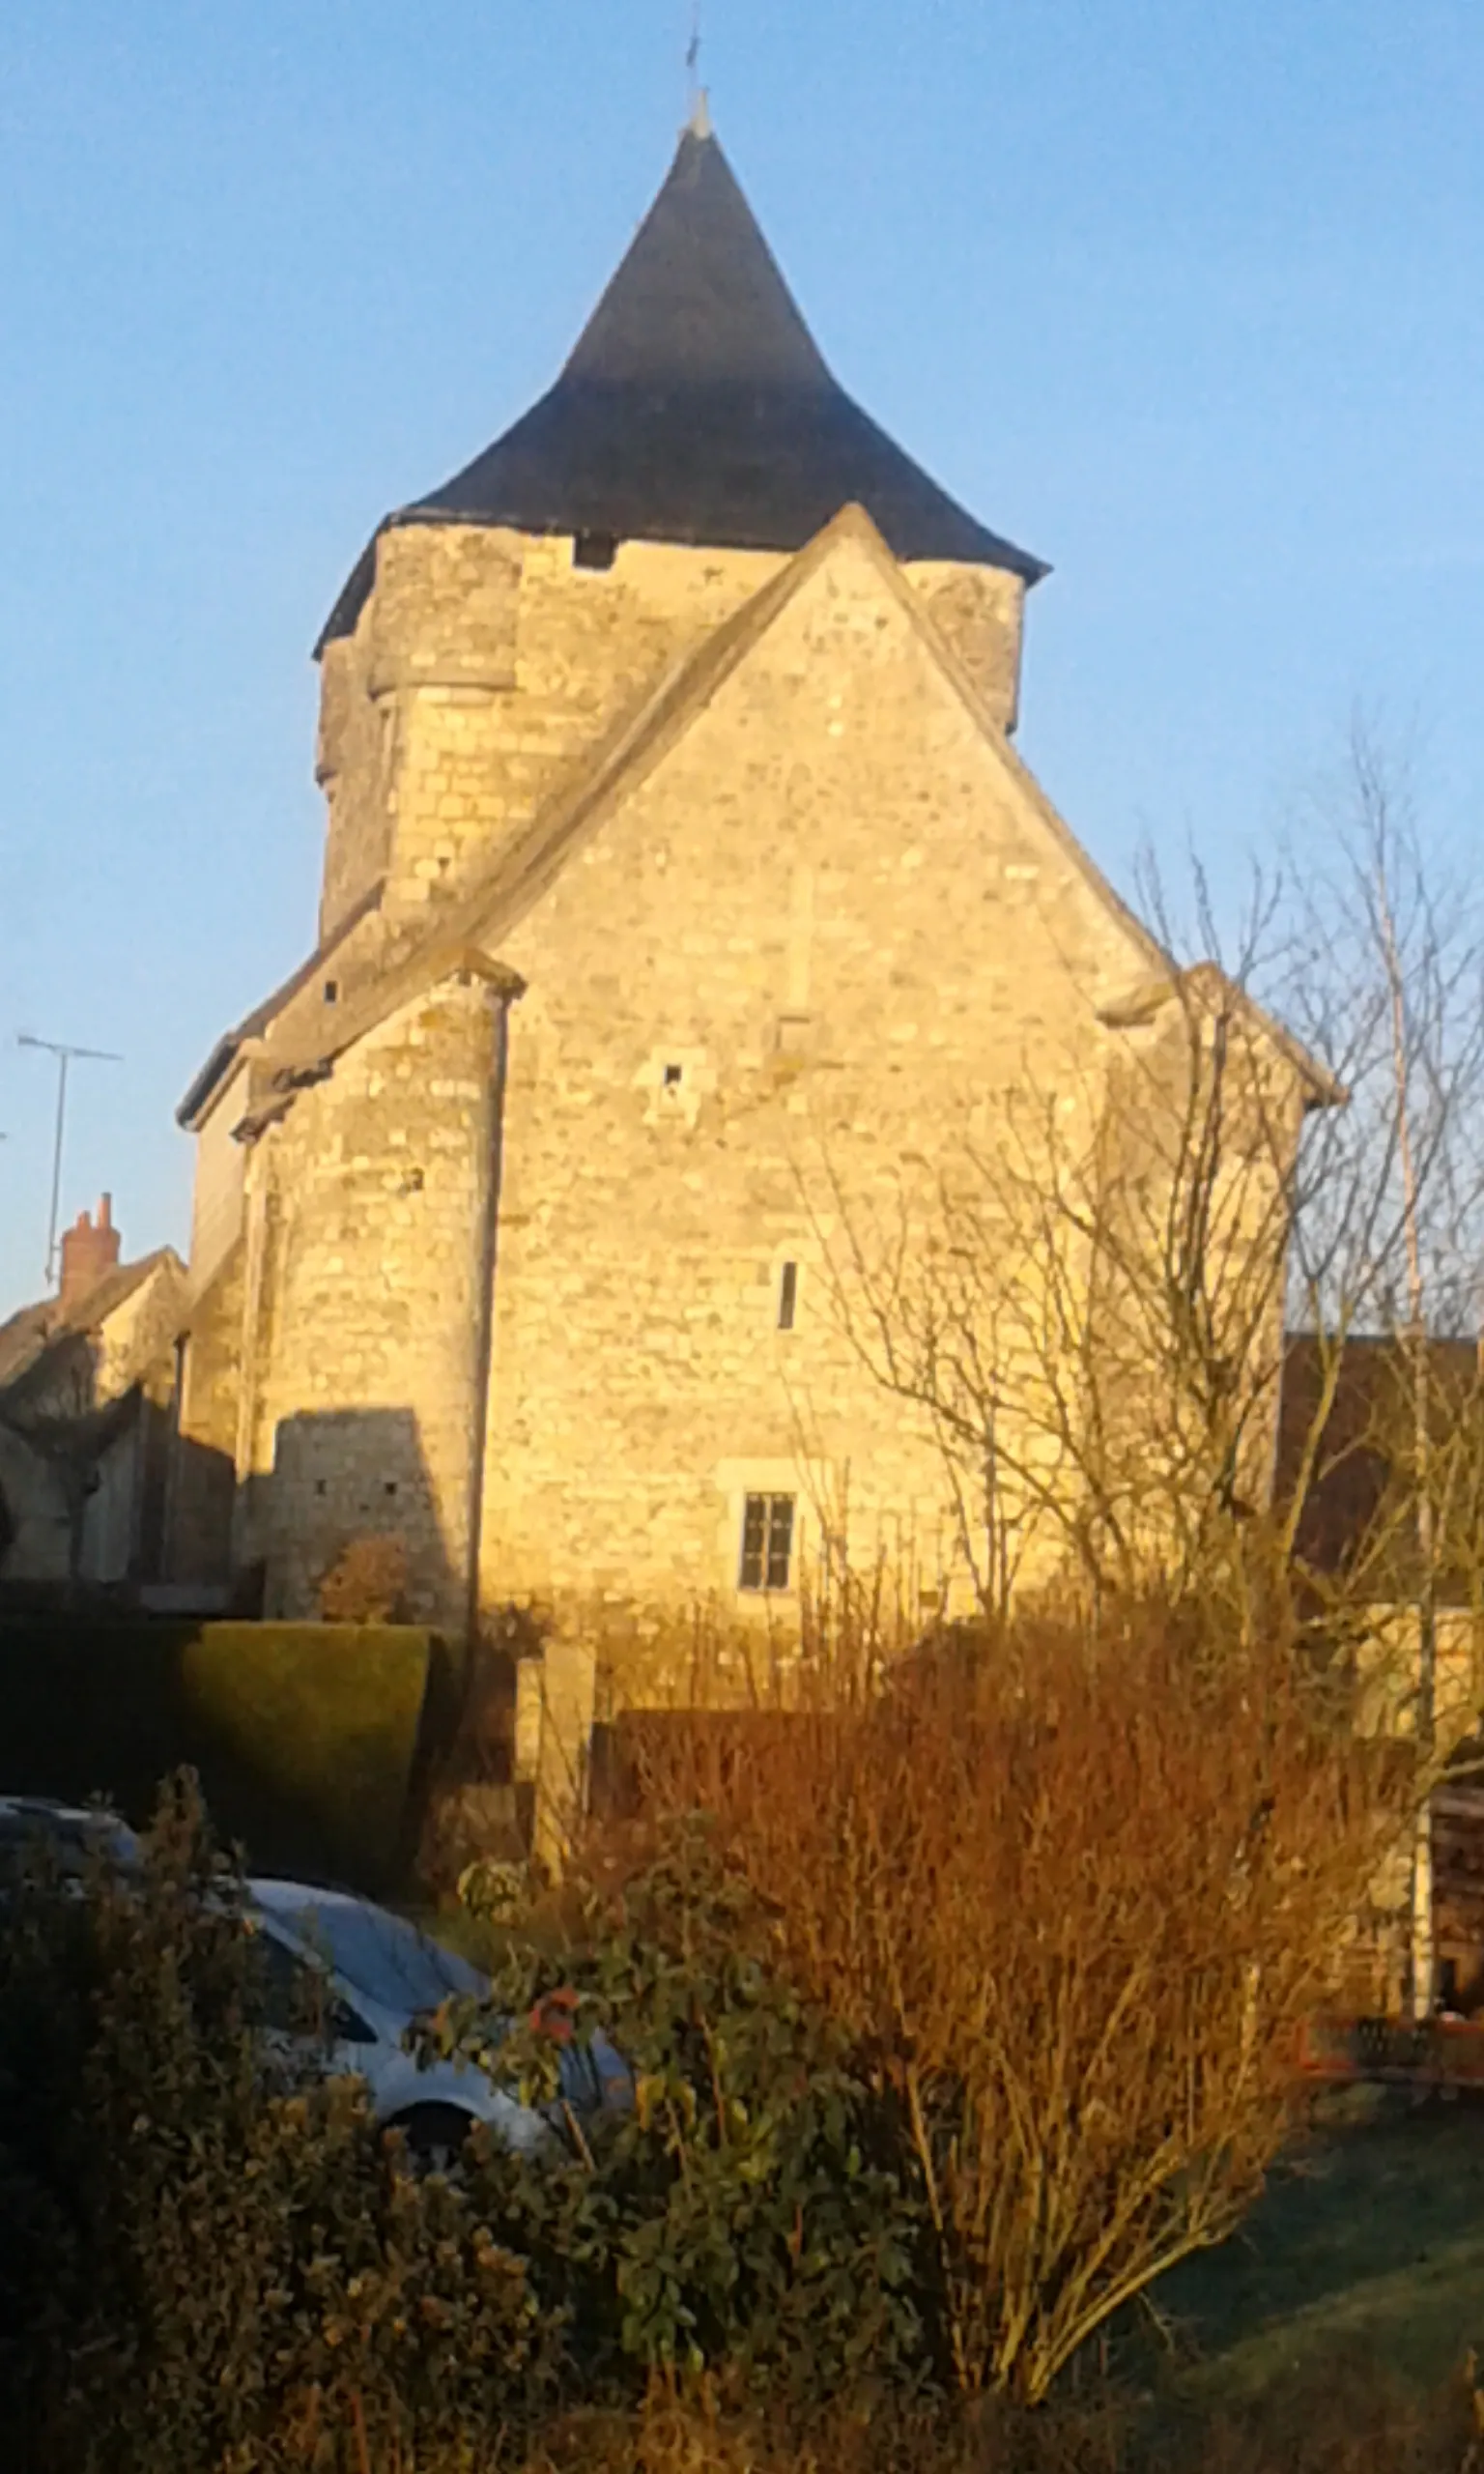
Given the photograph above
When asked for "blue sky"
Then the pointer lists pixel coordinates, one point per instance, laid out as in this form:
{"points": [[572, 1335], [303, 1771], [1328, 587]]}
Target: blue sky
{"points": [[1186, 297]]}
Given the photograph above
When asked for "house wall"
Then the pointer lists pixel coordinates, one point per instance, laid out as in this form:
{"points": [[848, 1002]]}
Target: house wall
{"points": [[110, 1518], [35, 1513], [202, 1482], [217, 1204]]}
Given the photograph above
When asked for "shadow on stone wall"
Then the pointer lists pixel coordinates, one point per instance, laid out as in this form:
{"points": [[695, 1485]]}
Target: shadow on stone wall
{"points": [[475, 1804], [201, 1492], [344, 1475]]}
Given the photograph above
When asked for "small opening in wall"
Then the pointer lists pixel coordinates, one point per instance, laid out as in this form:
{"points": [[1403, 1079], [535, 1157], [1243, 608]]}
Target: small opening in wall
{"points": [[319, 1485], [595, 549], [331, 990], [673, 1077], [390, 1486], [787, 1296]]}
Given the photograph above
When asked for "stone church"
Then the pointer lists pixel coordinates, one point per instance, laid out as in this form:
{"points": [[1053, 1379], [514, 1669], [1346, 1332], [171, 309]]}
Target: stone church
{"points": [[676, 845]]}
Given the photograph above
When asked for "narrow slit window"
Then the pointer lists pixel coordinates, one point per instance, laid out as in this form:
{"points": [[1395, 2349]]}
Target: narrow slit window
{"points": [[767, 1543], [787, 1296], [331, 991]]}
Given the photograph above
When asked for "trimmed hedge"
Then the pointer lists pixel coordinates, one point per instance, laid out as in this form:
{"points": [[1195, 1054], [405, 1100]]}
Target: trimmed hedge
{"points": [[313, 1742]]}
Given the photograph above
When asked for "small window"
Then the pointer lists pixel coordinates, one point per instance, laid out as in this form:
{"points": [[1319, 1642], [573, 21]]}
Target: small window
{"points": [[673, 1077], [390, 1486], [767, 1541], [787, 1296], [331, 991], [595, 549]]}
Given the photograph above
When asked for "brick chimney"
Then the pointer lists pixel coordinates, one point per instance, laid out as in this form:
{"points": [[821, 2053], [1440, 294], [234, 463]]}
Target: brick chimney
{"points": [[90, 1250]]}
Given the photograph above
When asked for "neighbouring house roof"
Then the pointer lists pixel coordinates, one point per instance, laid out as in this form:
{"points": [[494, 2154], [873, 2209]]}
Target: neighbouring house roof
{"points": [[696, 407], [1346, 1410], [34, 1340]]}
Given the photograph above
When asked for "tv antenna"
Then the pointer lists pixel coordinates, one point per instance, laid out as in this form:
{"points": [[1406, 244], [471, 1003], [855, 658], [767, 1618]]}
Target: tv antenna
{"points": [[64, 1051]]}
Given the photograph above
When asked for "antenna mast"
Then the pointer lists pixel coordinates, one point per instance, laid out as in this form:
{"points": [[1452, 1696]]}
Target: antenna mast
{"points": [[64, 1051]]}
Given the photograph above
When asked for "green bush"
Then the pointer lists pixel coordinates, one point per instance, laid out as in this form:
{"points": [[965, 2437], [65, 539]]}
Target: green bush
{"points": [[210, 2264], [308, 1738], [204, 2265], [753, 2215]]}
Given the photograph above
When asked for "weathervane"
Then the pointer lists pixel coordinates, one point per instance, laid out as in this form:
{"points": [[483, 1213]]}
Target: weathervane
{"points": [[696, 92]]}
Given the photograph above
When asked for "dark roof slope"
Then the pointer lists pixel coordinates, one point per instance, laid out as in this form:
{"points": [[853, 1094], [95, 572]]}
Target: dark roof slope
{"points": [[696, 407]]}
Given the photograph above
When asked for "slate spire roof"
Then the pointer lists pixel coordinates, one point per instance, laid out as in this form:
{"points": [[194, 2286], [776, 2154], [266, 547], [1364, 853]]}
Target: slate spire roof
{"points": [[698, 408]]}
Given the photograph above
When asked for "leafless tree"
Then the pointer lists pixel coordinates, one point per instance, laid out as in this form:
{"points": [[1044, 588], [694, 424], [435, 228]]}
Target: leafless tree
{"points": [[1090, 1306], [1074, 1882]]}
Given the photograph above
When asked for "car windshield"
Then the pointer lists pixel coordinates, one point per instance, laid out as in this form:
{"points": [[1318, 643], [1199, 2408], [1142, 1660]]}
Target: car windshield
{"points": [[382, 1956], [68, 1836]]}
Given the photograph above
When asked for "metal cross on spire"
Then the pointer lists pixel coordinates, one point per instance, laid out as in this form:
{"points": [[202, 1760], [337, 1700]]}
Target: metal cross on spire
{"points": [[700, 118]]}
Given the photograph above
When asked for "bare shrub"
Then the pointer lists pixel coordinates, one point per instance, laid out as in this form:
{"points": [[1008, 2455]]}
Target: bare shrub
{"points": [[366, 1584], [1074, 1882]]}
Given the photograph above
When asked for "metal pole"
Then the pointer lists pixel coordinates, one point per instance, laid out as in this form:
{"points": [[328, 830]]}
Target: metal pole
{"points": [[64, 1051], [56, 1165]]}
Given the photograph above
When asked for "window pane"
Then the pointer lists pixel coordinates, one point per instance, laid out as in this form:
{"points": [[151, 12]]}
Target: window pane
{"points": [[293, 1995], [779, 1540], [787, 1296], [755, 1526]]}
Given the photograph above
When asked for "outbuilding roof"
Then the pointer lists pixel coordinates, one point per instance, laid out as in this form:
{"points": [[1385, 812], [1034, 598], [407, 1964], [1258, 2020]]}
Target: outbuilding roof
{"points": [[698, 408]]}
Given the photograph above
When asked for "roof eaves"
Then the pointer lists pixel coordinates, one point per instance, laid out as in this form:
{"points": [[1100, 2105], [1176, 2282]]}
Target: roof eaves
{"points": [[287, 1071], [1141, 1004], [230, 1047]]}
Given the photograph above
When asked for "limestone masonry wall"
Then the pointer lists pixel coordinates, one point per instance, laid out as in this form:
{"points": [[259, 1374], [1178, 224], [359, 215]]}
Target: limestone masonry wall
{"points": [[362, 1360], [813, 947], [483, 665], [486, 664]]}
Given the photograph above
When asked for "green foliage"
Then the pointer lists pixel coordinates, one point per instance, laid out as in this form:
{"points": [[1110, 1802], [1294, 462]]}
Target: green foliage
{"points": [[306, 1737], [328, 1715], [203, 2264], [747, 2207]]}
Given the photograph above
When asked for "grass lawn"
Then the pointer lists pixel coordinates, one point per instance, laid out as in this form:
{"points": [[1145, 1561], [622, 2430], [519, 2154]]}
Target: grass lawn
{"points": [[1368, 2243]]}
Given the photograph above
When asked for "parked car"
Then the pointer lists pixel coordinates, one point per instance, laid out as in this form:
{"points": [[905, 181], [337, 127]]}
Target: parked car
{"points": [[370, 1976], [67, 1831], [363, 1977]]}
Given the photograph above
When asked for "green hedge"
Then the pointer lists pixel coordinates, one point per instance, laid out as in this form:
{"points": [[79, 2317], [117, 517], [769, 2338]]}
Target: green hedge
{"points": [[313, 1741]]}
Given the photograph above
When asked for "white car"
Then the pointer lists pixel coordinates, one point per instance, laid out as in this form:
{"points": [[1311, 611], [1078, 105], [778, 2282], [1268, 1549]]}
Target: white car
{"points": [[370, 1976], [67, 1831]]}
